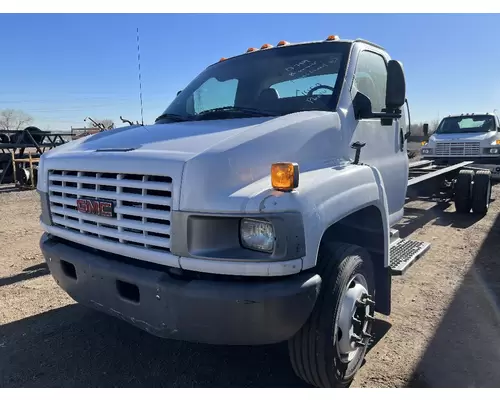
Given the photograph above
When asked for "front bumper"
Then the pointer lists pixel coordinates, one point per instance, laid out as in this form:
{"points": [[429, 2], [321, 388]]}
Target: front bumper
{"points": [[491, 163], [206, 311], [455, 160]]}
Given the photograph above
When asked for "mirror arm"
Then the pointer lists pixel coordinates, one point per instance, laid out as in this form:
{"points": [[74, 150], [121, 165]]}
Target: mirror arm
{"points": [[392, 115]]}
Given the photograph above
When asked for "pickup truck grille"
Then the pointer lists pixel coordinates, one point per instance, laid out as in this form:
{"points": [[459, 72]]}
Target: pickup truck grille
{"points": [[141, 207], [458, 149]]}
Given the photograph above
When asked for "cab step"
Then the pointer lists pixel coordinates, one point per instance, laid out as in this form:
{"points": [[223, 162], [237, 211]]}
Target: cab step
{"points": [[394, 236], [404, 252]]}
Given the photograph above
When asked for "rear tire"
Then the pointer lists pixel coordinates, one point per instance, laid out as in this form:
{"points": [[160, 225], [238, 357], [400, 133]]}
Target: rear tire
{"points": [[481, 192], [317, 349], [463, 191], [4, 138]]}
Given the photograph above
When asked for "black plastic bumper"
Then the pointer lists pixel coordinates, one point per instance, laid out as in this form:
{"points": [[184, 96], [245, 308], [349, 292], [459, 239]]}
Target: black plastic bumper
{"points": [[203, 311], [456, 160]]}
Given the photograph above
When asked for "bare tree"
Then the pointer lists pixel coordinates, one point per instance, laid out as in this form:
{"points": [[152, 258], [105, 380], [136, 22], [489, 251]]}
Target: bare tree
{"points": [[418, 128], [102, 124], [14, 119], [433, 125]]}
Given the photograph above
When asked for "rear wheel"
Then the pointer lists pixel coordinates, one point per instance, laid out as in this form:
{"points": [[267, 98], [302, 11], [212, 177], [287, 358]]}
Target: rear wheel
{"points": [[481, 192], [4, 138], [463, 191], [329, 349]]}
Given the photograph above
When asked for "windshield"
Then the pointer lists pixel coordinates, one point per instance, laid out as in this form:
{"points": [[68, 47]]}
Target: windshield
{"points": [[271, 82], [467, 124]]}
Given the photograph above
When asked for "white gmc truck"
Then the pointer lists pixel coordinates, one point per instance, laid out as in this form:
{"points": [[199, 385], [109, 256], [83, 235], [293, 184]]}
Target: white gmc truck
{"points": [[462, 137], [256, 209]]}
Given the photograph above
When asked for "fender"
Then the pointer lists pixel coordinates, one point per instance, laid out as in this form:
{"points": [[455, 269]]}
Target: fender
{"points": [[326, 196]]}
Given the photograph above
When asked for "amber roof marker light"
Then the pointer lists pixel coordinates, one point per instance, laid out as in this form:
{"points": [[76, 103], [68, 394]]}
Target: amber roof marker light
{"points": [[250, 49], [283, 43], [285, 176], [266, 46], [332, 37]]}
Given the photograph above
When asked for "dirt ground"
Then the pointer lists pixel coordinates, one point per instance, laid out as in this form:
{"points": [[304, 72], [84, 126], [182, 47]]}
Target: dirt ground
{"points": [[444, 330]]}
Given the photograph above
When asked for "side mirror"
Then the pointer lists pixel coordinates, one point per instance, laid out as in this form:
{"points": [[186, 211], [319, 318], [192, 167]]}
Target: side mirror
{"points": [[426, 129], [362, 106], [178, 93], [396, 86]]}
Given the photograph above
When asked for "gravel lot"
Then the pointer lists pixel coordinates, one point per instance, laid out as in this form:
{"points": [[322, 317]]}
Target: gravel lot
{"points": [[444, 330]]}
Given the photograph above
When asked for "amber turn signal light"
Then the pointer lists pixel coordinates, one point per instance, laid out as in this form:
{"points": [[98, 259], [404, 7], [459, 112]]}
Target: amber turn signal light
{"points": [[285, 176]]}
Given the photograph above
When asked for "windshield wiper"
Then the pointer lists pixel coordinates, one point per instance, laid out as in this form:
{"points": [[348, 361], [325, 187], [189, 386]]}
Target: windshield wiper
{"points": [[173, 117], [239, 110]]}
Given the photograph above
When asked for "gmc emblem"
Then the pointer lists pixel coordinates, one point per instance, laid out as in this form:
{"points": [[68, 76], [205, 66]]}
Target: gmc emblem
{"points": [[103, 208]]}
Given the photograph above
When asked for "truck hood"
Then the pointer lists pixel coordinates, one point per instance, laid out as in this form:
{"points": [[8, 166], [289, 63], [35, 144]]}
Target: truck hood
{"points": [[465, 137], [209, 161], [184, 139]]}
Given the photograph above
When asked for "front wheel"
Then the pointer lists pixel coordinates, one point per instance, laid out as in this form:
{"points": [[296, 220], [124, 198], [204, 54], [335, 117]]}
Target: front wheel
{"points": [[329, 349]]}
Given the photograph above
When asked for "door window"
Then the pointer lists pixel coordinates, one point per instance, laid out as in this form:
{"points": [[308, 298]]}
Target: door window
{"points": [[371, 78]]}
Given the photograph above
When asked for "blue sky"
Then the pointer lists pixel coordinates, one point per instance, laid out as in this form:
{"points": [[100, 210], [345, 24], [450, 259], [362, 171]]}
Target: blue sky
{"points": [[62, 68]]}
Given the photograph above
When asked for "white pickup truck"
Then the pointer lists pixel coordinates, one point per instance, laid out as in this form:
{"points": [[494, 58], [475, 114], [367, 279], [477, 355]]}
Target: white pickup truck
{"points": [[256, 209]]}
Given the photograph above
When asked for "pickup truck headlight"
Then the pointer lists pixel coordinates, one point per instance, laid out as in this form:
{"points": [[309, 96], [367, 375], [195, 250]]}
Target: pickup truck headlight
{"points": [[257, 235], [426, 151]]}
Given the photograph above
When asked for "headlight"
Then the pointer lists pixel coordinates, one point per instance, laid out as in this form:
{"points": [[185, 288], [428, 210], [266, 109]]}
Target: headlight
{"points": [[257, 235], [426, 151]]}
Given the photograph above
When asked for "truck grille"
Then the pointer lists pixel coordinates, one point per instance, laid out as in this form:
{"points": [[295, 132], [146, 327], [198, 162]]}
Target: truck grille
{"points": [[142, 206], [458, 149]]}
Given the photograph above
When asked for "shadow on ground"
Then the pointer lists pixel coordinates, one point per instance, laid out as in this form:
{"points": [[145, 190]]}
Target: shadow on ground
{"points": [[8, 188], [416, 218], [77, 347], [465, 349], [32, 272], [74, 346]]}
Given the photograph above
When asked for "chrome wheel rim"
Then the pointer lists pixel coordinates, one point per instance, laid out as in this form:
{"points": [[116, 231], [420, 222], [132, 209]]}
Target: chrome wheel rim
{"points": [[354, 323]]}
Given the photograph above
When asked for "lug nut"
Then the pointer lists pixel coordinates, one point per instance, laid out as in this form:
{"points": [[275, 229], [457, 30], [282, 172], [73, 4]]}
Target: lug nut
{"points": [[370, 302], [355, 337]]}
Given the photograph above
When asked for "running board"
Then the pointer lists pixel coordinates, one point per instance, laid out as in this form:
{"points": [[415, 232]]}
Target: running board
{"points": [[404, 253]]}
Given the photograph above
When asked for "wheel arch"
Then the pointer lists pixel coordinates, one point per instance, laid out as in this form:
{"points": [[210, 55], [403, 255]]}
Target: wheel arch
{"points": [[366, 227], [366, 224]]}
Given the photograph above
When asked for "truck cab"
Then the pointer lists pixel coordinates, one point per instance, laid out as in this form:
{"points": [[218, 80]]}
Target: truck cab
{"points": [[474, 137], [256, 209]]}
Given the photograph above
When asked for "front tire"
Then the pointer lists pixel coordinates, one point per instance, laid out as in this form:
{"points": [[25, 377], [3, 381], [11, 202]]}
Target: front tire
{"points": [[329, 349]]}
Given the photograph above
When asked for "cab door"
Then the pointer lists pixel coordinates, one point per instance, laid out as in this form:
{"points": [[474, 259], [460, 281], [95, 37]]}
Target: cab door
{"points": [[385, 147]]}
